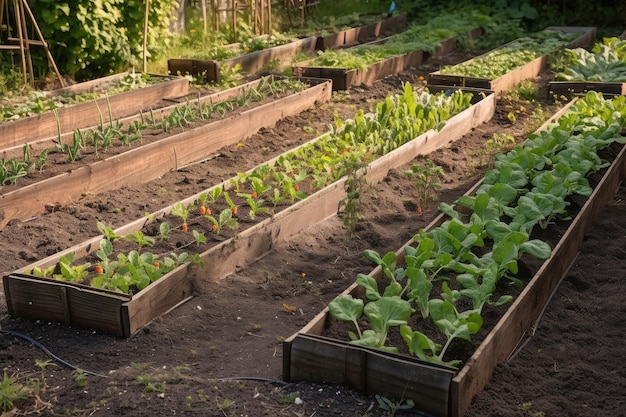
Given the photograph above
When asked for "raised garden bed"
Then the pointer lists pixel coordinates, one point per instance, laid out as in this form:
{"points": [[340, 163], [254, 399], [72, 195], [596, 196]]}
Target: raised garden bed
{"points": [[36, 297], [89, 113], [367, 33], [439, 390], [156, 158], [344, 78], [283, 54], [438, 81]]}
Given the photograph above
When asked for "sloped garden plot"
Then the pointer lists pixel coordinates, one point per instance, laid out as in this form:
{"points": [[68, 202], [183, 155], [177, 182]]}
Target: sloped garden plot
{"points": [[240, 317], [34, 299]]}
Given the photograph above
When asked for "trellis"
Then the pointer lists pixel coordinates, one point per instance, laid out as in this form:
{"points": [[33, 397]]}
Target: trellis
{"points": [[258, 13], [20, 39]]}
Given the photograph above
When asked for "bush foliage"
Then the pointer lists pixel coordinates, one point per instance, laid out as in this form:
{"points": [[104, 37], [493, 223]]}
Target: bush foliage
{"points": [[91, 38]]}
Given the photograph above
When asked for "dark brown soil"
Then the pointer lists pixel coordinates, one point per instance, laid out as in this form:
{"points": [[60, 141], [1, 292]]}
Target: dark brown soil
{"points": [[220, 353]]}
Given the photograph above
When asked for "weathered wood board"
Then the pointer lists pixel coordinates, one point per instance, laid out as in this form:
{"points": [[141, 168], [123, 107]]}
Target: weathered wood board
{"points": [[86, 114], [571, 89], [509, 81], [220, 260], [156, 158]]}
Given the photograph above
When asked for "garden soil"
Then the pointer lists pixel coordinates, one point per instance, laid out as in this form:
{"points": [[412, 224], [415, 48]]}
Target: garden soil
{"points": [[220, 353]]}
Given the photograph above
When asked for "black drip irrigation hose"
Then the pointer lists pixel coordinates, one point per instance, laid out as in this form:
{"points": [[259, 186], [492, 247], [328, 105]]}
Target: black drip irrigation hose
{"points": [[50, 354]]}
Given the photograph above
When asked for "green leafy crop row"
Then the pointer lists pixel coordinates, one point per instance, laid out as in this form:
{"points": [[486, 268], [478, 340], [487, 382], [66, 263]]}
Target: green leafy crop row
{"points": [[467, 255], [605, 63], [511, 56]]}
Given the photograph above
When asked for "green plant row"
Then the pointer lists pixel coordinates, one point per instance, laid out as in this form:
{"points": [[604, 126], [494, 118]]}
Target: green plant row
{"points": [[426, 37], [248, 45], [293, 176], [512, 55], [605, 63], [37, 102], [468, 254], [98, 140]]}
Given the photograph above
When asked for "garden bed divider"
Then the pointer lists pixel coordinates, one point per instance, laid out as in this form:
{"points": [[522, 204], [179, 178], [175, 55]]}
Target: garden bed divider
{"points": [[44, 125], [311, 357], [154, 159], [220, 260], [510, 80]]}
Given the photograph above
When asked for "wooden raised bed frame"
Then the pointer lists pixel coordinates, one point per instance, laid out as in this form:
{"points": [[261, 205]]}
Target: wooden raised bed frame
{"points": [[442, 391], [509, 81], [44, 125], [156, 158], [47, 299], [254, 62], [354, 36]]}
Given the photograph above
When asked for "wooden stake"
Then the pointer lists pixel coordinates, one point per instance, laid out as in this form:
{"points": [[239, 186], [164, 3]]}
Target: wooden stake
{"points": [[145, 37]]}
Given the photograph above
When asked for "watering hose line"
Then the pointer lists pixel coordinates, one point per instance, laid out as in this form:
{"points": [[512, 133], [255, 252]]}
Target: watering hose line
{"points": [[47, 352]]}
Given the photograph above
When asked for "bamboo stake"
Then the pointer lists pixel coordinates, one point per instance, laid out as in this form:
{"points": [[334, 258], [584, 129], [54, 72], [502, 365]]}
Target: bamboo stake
{"points": [[204, 21], [145, 38]]}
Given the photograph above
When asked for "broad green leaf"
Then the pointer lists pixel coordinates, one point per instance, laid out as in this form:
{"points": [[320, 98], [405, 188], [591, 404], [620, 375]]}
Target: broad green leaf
{"points": [[346, 308]]}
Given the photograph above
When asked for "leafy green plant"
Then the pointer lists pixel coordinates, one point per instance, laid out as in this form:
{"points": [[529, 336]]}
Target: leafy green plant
{"points": [[12, 392], [512, 55], [349, 208], [426, 178], [605, 63]]}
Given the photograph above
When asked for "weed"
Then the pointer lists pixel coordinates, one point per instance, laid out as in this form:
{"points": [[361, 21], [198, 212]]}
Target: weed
{"points": [[11, 392], [393, 406], [81, 378], [426, 178], [349, 208]]}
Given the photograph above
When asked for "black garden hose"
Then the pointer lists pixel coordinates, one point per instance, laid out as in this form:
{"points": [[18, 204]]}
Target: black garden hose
{"points": [[50, 354]]}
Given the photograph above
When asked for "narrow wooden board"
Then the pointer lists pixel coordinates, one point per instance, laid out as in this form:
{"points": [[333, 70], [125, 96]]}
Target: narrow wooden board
{"points": [[165, 293], [73, 304], [197, 67], [570, 89], [501, 341], [154, 159], [86, 114]]}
